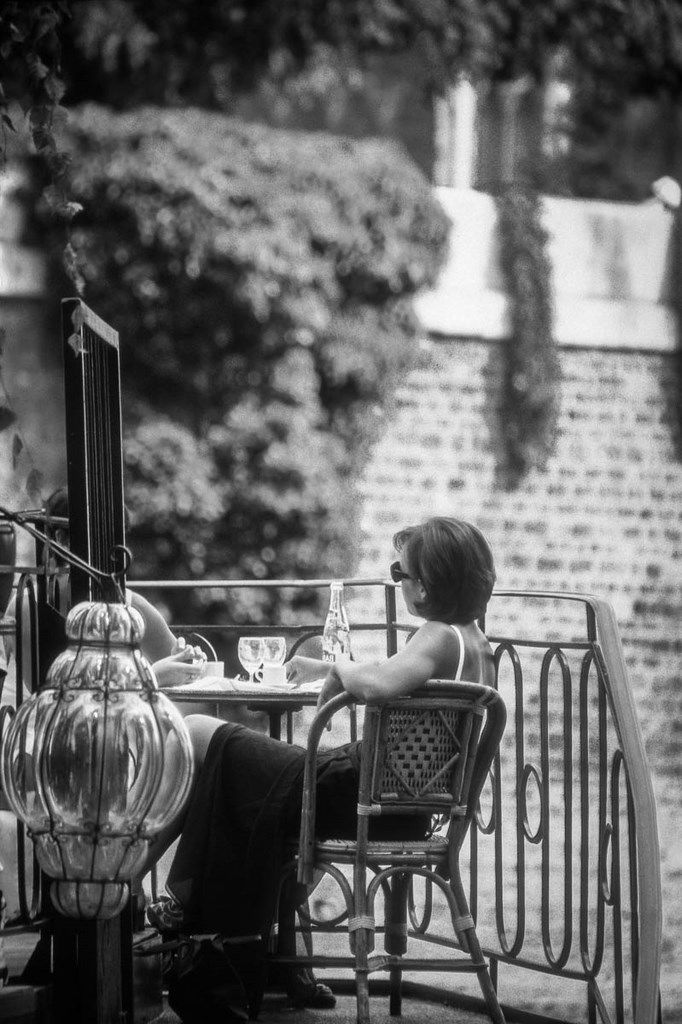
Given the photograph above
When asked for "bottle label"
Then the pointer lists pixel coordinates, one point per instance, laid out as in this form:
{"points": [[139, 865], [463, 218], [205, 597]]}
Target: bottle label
{"points": [[336, 648], [336, 634]]}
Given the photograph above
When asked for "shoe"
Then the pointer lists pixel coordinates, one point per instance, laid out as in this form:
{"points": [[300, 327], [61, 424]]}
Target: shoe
{"points": [[304, 990], [165, 915]]}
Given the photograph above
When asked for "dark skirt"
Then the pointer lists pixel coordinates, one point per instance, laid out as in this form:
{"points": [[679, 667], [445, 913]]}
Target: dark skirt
{"points": [[246, 803]]}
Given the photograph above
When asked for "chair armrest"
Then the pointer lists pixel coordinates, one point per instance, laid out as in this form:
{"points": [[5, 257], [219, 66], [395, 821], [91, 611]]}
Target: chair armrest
{"points": [[308, 809], [488, 744]]}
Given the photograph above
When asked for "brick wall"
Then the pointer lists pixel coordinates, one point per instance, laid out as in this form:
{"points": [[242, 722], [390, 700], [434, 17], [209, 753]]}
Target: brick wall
{"points": [[604, 516]]}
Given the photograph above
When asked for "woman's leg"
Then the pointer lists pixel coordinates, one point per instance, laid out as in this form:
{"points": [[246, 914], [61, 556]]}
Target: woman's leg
{"points": [[201, 729]]}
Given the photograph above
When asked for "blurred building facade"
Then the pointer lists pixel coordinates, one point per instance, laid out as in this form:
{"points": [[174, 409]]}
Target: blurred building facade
{"points": [[484, 135]]}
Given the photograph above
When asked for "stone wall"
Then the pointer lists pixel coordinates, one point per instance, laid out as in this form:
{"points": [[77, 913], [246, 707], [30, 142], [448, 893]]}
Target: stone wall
{"points": [[603, 517]]}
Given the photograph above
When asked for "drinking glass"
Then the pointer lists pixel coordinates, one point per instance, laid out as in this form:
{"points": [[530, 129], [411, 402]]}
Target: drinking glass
{"points": [[274, 650], [274, 653], [250, 653]]}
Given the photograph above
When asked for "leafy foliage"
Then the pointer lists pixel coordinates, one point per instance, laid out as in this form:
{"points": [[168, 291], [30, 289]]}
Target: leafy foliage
{"points": [[130, 52], [30, 50], [342, 287], [140, 51], [312, 57], [532, 373], [260, 281], [30, 54]]}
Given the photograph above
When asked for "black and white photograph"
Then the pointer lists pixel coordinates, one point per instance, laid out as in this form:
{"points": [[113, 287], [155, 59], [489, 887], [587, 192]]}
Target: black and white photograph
{"points": [[340, 511]]}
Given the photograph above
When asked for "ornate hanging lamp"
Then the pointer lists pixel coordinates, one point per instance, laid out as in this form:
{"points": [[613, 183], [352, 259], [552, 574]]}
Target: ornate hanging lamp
{"points": [[96, 762]]}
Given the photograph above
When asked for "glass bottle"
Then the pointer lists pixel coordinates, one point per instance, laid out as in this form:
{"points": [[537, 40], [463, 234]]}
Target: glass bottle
{"points": [[336, 633]]}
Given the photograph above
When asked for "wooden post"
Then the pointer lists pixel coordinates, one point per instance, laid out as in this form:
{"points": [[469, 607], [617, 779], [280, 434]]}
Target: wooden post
{"points": [[87, 972]]}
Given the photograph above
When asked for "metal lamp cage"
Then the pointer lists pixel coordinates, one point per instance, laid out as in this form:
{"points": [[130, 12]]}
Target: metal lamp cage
{"points": [[96, 761]]}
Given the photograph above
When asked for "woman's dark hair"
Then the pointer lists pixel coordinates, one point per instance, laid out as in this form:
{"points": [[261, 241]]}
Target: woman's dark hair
{"points": [[454, 564]]}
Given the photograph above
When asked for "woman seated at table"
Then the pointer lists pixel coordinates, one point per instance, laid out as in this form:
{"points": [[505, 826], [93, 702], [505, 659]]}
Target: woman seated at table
{"points": [[247, 794]]}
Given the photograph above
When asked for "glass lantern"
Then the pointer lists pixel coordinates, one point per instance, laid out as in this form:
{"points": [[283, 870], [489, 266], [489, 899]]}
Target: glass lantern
{"points": [[96, 762]]}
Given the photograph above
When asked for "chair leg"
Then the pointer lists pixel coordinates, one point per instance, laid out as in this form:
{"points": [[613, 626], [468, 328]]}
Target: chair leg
{"points": [[395, 939], [361, 937], [306, 929], [484, 979], [362, 975], [395, 996], [472, 946]]}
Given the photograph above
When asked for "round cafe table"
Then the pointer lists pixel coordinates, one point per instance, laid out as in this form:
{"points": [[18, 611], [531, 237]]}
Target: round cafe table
{"points": [[274, 701]]}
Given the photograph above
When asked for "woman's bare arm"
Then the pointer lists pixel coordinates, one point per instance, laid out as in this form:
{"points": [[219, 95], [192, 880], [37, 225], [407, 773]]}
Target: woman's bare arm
{"points": [[431, 653], [301, 669], [159, 641], [178, 669]]}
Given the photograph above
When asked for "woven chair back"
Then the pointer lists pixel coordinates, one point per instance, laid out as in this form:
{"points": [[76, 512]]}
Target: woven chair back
{"points": [[420, 752]]}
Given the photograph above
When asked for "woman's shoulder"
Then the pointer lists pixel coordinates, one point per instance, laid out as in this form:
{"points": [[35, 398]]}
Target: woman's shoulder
{"points": [[464, 643], [434, 629], [438, 636], [473, 638]]}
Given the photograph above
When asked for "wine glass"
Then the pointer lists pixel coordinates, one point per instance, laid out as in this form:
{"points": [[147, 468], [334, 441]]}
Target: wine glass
{"points": [[274, 650], [250, 653], [274, 653]]}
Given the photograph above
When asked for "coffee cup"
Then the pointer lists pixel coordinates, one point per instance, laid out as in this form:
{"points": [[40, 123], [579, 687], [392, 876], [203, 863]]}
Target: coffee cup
{"points": [[274, 675], [214, 668]]}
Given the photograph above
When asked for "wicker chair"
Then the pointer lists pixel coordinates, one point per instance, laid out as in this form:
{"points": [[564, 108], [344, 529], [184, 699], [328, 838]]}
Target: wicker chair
{"points": [[425, 754]]}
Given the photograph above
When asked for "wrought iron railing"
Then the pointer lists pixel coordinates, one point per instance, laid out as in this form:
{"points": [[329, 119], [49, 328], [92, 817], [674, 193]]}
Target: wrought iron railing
{"points": [[564, 864], [571, 817]]}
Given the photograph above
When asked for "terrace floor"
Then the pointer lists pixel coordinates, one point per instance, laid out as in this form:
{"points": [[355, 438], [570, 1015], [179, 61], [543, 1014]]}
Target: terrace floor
{"points": [[277, 1010], [415, 1011]]}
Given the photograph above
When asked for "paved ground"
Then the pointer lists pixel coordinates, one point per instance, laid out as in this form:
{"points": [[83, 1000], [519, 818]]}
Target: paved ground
{"points": [[275, 1011]]}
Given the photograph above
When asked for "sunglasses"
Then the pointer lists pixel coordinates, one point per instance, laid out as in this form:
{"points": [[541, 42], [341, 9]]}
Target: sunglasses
{"points": [[397, 574]]}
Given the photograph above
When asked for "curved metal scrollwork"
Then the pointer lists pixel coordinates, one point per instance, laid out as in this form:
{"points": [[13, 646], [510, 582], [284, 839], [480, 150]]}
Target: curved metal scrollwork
{"points": [[592, 874], [511, 947], [531, 772], [548, 902]]}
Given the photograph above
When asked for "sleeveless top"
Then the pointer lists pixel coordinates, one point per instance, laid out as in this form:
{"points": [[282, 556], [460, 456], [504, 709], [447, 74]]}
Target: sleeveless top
{"points": [[460, 664]]}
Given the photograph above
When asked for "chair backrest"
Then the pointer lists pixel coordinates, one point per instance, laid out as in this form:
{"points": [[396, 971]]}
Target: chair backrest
{"points": [[430, 752], [427, 753], [92, 391]]}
